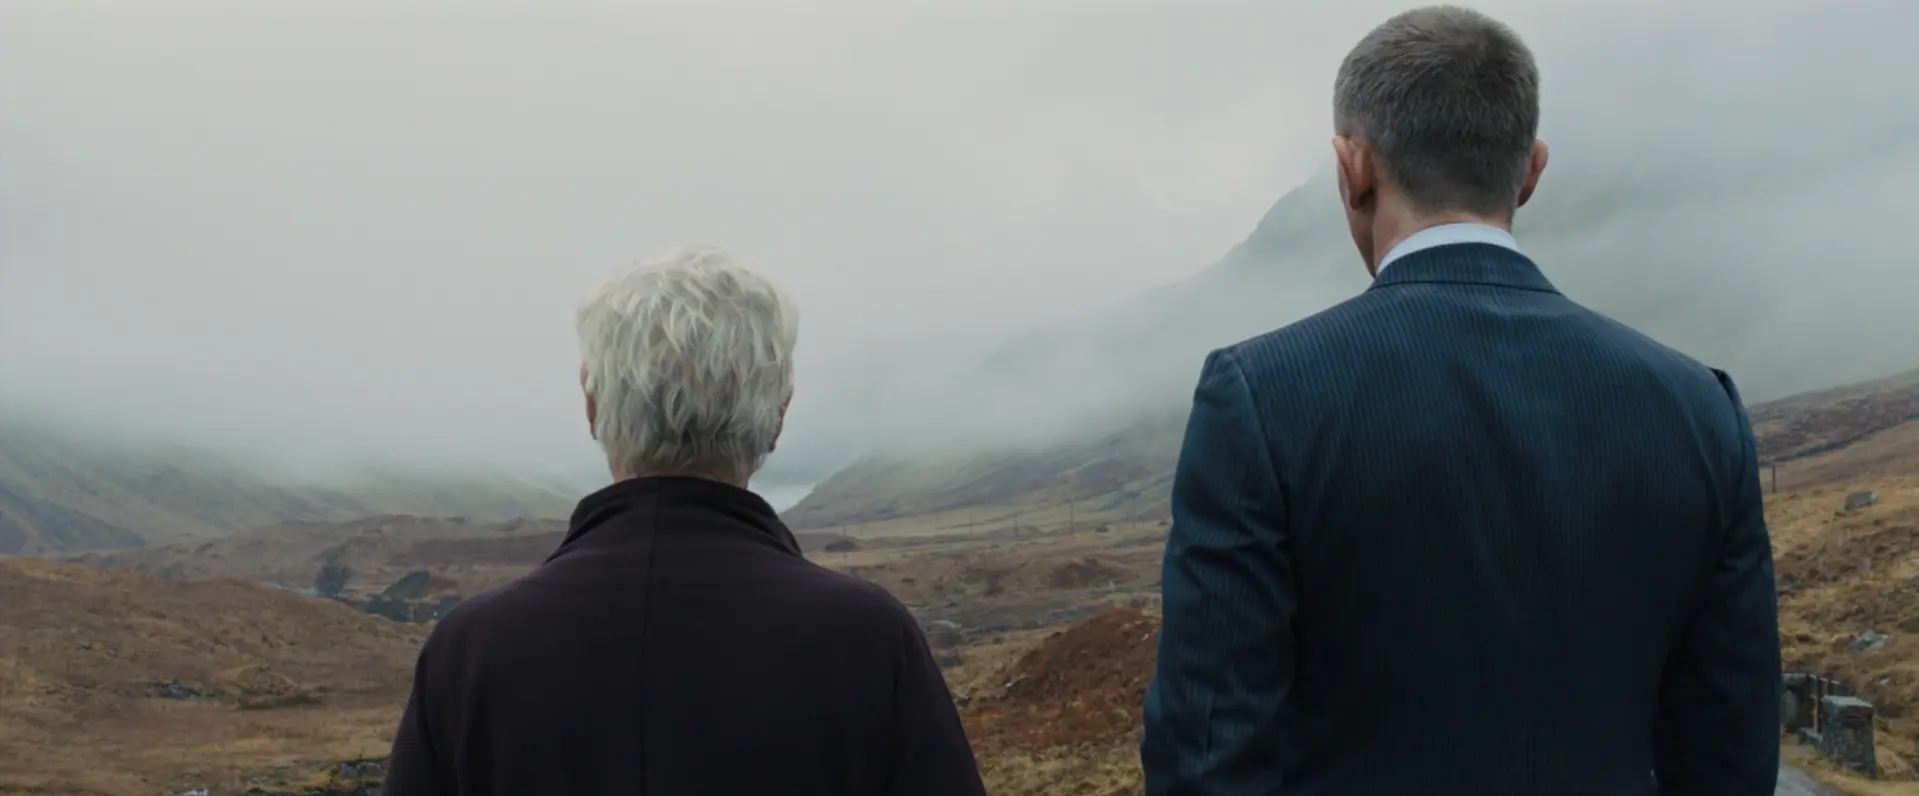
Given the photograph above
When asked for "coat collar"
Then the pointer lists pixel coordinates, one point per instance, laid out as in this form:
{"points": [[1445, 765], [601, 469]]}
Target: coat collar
{"points": [[693, 498]]}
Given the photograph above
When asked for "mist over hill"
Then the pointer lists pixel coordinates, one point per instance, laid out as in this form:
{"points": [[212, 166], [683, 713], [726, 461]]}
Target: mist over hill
{"points": [[62, 491], [1739, 201]]}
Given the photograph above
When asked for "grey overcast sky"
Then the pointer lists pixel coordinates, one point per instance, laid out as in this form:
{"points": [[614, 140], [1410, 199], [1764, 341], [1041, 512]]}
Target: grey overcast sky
{"points": [[332, 230]]}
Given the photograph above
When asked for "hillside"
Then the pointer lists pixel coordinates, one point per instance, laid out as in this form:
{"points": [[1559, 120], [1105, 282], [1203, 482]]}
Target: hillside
{"points": [[1123, 475], [1806, 425], [1696, 252], [1831, 436], [61, 493], [463, 554], [117, 683]]}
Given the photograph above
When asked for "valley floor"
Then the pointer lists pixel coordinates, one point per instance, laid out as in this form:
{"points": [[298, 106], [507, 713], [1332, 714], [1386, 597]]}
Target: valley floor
{"points": [[123, 684]]}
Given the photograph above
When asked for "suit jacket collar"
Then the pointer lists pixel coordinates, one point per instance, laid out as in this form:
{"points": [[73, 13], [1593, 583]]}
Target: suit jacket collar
{"points": [[1465, 264], [1446, 234], [725, 508]]}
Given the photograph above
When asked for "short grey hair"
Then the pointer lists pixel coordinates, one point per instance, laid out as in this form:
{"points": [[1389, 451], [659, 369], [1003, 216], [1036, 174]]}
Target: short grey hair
{"points": [[1449, 99], [689, 358]]}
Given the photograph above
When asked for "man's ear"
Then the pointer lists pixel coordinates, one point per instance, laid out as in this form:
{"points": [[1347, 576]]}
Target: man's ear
{"points": [[1535, 167], [1357, 178]]}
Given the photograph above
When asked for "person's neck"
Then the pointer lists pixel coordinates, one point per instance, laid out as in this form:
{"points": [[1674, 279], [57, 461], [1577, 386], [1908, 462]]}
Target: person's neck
{"points": [[1392, 229], [620, 475]]}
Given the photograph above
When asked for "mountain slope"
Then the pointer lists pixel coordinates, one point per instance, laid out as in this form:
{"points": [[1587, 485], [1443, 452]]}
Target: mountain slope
{"points": [[1122, 475], [1817, 439], [60, 493], [1610, 239], [1806, 425]]}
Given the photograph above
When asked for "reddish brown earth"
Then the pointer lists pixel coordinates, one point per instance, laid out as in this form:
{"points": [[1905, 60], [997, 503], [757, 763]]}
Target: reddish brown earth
{"points": [[1083, 685]]}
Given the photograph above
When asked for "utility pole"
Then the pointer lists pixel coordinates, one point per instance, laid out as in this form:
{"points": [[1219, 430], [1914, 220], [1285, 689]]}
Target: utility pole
{"points": [[1072, 516]]}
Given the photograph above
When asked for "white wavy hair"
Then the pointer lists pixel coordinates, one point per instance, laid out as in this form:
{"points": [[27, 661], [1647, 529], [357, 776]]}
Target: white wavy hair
{"points": [[689, 359]]}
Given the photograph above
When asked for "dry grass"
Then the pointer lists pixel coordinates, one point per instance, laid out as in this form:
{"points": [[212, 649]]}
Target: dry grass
{"points": [[286, 681], [1842, 781], [1085, 770], [1063, 716], [1891, 453], [293, 683]]}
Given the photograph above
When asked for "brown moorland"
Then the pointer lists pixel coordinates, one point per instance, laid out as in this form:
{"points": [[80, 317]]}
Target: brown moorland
{"points": [[288, 684], [465, 555], [117, 683]]}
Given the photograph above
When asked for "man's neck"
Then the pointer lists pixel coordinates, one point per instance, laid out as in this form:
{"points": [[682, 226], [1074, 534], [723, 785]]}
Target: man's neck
{"points": [[1391, 230]]}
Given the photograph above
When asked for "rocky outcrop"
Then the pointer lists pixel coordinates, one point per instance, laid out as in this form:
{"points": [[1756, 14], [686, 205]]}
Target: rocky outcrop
{"points": [[410, 610], [411, 586], [409, 600]]}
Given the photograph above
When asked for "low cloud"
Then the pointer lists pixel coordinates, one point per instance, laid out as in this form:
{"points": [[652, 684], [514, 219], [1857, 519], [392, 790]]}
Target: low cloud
{"points": [[323, 233]]}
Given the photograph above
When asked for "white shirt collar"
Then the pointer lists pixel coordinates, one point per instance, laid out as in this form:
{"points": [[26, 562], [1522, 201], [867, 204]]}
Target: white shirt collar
{"points": [[1446, 235]]}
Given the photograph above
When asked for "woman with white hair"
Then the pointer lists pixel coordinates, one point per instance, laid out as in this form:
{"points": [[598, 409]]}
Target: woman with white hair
{"points": [[677, 642]]}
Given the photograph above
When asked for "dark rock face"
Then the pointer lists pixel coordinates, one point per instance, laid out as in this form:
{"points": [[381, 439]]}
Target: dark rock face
{"points": [[412, 586], [407, 600]]}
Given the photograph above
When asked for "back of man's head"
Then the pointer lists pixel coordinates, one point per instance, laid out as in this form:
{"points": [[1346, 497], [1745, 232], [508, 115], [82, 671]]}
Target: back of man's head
{"points": [[1448, 100], [687, 363]]}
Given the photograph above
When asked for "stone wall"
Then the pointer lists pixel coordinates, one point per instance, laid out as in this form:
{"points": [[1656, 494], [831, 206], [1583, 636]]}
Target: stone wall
{"points": [[1847, 733], [1823, 712]]}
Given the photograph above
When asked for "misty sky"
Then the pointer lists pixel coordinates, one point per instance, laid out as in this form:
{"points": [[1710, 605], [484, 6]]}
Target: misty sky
{"points": [[328, 230]]}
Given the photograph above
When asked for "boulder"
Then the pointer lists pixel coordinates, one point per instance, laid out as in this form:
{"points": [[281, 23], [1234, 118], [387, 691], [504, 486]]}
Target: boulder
{"points": [[1861, 500], [1869, 641]]}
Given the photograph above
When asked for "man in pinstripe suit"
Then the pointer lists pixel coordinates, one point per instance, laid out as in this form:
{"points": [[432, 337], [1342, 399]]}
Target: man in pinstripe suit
{"points": [[1459, 534]]}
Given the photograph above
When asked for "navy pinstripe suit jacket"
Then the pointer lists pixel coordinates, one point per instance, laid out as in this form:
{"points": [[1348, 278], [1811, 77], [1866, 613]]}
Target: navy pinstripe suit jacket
{"points": [[1460, 535]]}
